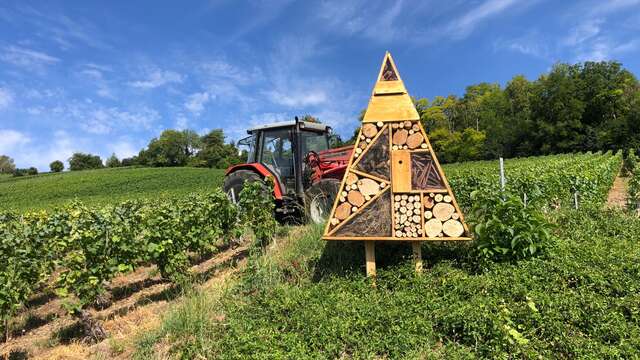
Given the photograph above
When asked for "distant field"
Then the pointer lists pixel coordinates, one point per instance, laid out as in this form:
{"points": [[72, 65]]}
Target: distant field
{"points": [[98, 187]]}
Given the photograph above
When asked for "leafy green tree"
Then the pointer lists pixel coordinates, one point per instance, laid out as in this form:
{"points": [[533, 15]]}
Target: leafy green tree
{"points": [[172, 148], [113, 161], [215, 153], [56, 166], [6, 165], [82, 161]]}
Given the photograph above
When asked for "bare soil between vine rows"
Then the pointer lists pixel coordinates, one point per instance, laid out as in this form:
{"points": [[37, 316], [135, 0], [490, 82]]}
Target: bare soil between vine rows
{"points": [[617, 197], [139, 299]]}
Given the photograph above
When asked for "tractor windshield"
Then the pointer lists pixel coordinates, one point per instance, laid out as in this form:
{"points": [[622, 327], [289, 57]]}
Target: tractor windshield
{"points": [[250, 143], [277, 155], [313, 141]]}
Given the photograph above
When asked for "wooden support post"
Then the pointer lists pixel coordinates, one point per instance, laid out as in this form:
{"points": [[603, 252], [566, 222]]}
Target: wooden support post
{"points": [[370, 256], [417, 255]]}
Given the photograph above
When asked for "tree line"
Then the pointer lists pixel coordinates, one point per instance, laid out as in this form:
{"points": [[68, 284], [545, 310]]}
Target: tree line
{"points": [[171, 148], [589, 106]]}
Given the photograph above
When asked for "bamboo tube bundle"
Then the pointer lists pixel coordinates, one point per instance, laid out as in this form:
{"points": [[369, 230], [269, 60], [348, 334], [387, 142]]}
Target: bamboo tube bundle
{"points": [[407, 210]]}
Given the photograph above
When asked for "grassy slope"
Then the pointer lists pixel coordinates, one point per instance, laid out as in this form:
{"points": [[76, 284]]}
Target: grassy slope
{"points": [[98, 187], [309, 299]]}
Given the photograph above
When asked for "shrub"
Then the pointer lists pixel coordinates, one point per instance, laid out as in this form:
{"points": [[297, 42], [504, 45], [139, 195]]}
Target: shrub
{"points": [[56, 166], [113, 161], [81, 161], [23, 172], [507, 230], [633, 199], [629, 163], [257, 209]]}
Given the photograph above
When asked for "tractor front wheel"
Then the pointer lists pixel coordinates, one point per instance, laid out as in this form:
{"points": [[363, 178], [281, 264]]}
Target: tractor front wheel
{"points": [[234, 182], [319, 199]]}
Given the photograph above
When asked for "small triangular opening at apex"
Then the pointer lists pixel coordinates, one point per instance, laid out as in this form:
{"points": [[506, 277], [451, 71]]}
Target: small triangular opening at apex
{"points": [[389, 72]]}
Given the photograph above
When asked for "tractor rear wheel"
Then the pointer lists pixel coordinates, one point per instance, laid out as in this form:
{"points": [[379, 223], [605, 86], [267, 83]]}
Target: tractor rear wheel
{"points": [[234, 182], [319, 199]]}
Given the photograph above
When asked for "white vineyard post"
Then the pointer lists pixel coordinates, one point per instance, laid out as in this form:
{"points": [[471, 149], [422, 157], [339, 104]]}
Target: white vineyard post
{"points": [[502, 180], [575, 199], [233, 196], [525, 199]]}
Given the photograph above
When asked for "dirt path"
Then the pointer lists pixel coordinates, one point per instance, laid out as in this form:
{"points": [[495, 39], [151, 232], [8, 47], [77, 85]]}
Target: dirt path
{"points": [[140, 299], [617, 197]]}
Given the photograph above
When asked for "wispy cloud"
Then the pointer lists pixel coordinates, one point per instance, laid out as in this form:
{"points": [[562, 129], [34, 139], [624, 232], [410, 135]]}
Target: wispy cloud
{"points": [[311, 97], [6, 98], [530, 44], [584, 31], [11, 139], [55, 27], [26, 58], [197, 101], [94, 118], [123, 148], [96, 75], [591, 34], [157, 78], [463, 25], [374, 20]]}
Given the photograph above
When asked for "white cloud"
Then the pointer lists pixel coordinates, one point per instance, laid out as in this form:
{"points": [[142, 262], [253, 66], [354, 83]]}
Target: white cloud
{"points": [[156, 79], [10, 140], [462, 26], [583, 31], [197, 101], [6, 98], [181, 122], [27, 58], [123, 148], [374, 20], [41, 154], [97, 119], [304, 97]]}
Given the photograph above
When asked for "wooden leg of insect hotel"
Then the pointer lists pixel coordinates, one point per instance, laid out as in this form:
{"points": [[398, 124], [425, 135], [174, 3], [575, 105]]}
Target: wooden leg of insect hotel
{"points": [[417, 256], [370, 256]]}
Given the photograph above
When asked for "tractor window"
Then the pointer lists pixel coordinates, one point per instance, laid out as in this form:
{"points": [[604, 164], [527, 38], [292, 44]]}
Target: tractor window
{"points": [[277, 154], [250, 145], [313, 141]]}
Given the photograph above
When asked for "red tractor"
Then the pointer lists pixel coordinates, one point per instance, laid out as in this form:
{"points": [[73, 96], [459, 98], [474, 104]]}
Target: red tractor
{"points": [[297, 155]]}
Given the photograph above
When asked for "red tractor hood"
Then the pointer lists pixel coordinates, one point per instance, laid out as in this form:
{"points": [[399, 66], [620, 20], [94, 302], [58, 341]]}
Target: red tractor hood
{"points": [[342, 154]]}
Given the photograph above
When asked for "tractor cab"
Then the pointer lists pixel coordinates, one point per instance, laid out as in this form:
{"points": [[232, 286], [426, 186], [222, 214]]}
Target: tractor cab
{"points": [[282, 148], [297, 156]]}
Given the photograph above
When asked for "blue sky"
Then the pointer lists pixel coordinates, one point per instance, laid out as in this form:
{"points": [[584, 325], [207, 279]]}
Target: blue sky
{"points": [[106, 76]]}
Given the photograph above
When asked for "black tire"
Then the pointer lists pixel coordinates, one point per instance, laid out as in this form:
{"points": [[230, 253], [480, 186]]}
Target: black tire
{"points": [[234, 182], [319, 200]]}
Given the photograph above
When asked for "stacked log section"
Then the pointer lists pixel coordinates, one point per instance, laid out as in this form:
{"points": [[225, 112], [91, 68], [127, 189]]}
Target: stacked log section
{"points": [[407, 136], [356, 193], [407, 213], [441, 217], [367, 133]]}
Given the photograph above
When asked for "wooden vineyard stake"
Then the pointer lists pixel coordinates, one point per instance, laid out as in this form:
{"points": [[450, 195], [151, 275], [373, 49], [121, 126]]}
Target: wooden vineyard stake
{"points": [[394, 188]]}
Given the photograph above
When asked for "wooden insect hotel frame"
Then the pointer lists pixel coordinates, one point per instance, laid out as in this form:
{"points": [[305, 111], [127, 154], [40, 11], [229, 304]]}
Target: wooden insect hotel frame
{"points": [[394, 188]]}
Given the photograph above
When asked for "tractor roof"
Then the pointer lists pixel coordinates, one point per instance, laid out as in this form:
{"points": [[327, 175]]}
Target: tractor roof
{"points": [[303, 125]]}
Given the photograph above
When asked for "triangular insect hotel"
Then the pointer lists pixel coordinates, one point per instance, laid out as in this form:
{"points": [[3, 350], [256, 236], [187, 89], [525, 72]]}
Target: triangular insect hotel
{"points": [[394, 187]]}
